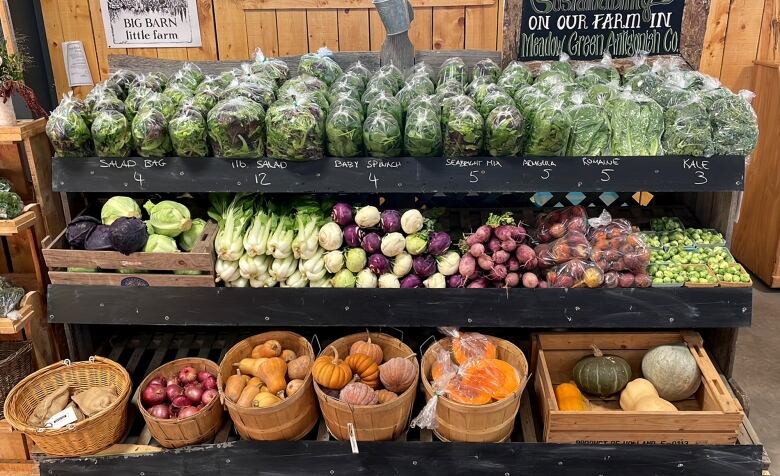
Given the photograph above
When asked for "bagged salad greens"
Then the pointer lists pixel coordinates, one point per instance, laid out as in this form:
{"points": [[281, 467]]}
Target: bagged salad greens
{"points": [[504, 131], [382, 136], [150, 133], [453, 104], [515, 76], [449, 89], [637, 124], [320, 65], [486, 68], [112, 134], [463, 132], [734, 124], [422, 134], [295, 129], [188, 130], [494, 99], [687, 129], [67, 129], [390, 74], [453, 69], [590, 129], [550, 129], [273, 68], [344, 131], [360, 70], [236, 128], [603, 72], [388, 103], [262, 94]]}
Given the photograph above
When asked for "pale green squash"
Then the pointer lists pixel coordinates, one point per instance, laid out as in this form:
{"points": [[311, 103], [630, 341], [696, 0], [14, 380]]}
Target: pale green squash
{"points": [[672, 370]]}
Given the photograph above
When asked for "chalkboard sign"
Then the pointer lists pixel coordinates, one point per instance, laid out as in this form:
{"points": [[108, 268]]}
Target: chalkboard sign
{"points": [[586, 29]]}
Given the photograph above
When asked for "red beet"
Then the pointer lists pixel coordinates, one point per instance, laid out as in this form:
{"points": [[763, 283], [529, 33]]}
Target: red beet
{"points": [[501, 257], [530, 280]]}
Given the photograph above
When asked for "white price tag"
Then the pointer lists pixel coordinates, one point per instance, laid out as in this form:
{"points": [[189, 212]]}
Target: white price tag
{"points": [[352, 438], [61, 419]]}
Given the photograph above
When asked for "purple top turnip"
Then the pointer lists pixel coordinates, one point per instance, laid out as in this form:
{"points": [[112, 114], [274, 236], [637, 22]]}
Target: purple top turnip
{"points": [[353, 235], [342, 214], [424, 265], [390, 220], [372, 243], [411, 281], [438, 243], [378, 264]]}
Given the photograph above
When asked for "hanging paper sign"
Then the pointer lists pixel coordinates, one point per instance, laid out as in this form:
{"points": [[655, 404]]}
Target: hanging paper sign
{"points": [[76, 64], [151, 23], [586, 29]]}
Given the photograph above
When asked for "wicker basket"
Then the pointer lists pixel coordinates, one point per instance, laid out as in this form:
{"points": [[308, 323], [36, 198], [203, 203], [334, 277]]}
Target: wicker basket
{"points": [[371, 422], [178, 432], [87, 436], [292, 419], [15, 364], [489, 423]]}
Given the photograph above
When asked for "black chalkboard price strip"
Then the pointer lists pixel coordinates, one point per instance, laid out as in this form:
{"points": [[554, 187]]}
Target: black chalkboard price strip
{"points": [[400, 175]]}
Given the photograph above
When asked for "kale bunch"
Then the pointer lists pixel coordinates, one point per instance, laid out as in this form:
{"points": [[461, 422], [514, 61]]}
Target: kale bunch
{"points": [[687, 130]]}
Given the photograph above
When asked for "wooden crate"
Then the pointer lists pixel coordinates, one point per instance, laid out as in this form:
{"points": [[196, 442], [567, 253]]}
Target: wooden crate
{"points": [[160, 265], [711, 416]]}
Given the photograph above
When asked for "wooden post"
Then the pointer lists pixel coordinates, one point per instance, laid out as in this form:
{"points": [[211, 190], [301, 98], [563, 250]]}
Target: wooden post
{"points": [[8, 27]]}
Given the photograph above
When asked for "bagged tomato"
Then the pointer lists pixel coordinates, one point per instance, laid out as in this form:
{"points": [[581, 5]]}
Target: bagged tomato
{"points": [[573, 245], [553, 225], [614, 247], [575, 274]]}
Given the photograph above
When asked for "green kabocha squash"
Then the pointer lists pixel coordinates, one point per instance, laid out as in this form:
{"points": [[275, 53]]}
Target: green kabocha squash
{"points": [[601, 374], [672, 370]]}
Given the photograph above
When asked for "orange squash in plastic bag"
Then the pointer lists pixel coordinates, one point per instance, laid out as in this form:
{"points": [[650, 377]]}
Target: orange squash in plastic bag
{"points": [[472, 345], [466, 394], [496, 378]]}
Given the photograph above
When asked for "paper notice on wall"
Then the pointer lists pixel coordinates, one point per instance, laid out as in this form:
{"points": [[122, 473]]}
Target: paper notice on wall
{"points": [[76, 64]]}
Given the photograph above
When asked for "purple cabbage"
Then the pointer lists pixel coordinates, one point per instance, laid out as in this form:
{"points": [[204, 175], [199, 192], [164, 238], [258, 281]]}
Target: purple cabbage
{"points": [[342, 214], [128, 235], [353, 235], [99, 239], [378, 264], [372, 243], [411, 281], [390, 221], [438, 243], [456, 281], [424, 265], [79, 230]]}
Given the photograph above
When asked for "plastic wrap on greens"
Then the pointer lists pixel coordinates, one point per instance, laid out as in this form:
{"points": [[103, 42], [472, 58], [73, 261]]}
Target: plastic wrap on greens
{"points": [[344, 130], [68, 131], [553, 84], [463, 132], [212, 83], [262, 80], [308, 86], [387, 103], [178, 93], [99, 92], [350, 102], [360, 70], [710, 96], [452, 104], [421, 83], [601, 93], [557, 69], [668, 94], [154, 81], [236, 128], [590, 133], [205, 99], [107, 103], [603, 72], [449, 89], [687, 130], [407, 95], [373, 92], [393, 74], [382, 135], [487, 68], [112, 135], [150, 133], [528, 100], [429, 102], [515, 76], [734, 124], [295, 130], [504, 132], [480, 86], [383, 83], [122, 78], [159, 102], [349, 80], [422, 133], [638, 66], [453, 69], [637, 124], [188, 132], [341, 90], [134, 99], [550, 129], [492, 100], [421, 68], [274, 68], [261, 94], [190, 76], [320, 65], [645, 83]]}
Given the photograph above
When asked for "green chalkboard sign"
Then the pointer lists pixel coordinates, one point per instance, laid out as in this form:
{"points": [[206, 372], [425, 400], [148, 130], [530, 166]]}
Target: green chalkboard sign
{"points": [[586, 29]]}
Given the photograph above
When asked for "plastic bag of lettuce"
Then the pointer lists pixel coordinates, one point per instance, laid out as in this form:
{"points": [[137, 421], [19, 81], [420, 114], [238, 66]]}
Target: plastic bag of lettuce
{"points": [[68, 130], [236, 128], [150, 132], [463, 131], [590, 128], [550, 129], [422, 133], [344, 130], [320, 65], [504, 132], [382, 135], [295, 129], [112, 134], [637, 124], [734, 124], [189, 132]]}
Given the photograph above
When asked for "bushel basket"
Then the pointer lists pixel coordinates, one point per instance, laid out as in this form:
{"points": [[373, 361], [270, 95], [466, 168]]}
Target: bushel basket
{"points": [[178, 432], [381, 422], [85, 437], [15, 364]]}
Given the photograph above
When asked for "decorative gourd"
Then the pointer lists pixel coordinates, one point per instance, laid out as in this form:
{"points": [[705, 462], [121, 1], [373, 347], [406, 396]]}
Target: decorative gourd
{"points": [[650, 403], [635, 390], [357, 393], [472, 345], [364, 367], [368, 348], [493, 376], [269, 348], [293, 386], [250, 366], [466, 394], [288, 355], [330, 371], [234, 385], [265, 400], [672, 370], [601, 374], [299, 368], [398, 374], [272, 373], [255, 381], [247, 395], [570, 399], [384, 396]]}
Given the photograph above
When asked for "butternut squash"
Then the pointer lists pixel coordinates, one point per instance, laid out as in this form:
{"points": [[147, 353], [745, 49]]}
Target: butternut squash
{"points": [[649, 403], [570, 399], [270, 348], [265, 400], [634, 391], [251, 366], [272, 373], [255, 381], [234, 385], [247, 395]]}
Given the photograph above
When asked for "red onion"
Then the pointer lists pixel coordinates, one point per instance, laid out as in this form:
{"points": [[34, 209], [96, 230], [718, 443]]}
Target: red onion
{"points": [[210, 383], [209, 395], [153, 395], [187, 412], [160, 411], [159, 380], [181, 401], [342, 214], [188, 374], [194, 393], [203, 375], [173, 390], [172, 381]]}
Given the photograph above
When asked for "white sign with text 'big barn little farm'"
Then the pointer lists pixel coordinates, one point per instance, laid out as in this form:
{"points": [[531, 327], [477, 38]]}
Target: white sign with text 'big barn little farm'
{"points": [[151, 23]]}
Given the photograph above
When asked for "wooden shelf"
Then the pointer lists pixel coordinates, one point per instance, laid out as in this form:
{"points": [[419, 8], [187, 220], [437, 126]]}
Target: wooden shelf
{"points": [[29, 309], [27, 219], [400, 175], [23, 129]]}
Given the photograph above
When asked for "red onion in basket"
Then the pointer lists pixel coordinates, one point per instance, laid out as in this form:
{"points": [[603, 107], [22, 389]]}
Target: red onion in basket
{"points": [[203, 375], [210, 383], [172, 381], [187, 412], [181, 401], [209, 395], [172, 391], [153, 395], [159, 380], [194, 393], [160, 411], [188, 374]]}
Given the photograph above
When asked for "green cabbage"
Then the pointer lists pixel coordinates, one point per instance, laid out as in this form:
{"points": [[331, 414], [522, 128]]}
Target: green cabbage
{"points": [[117, 207], [168, 218], [237, 128], [160, 244], [504, 131], [188, 239]]}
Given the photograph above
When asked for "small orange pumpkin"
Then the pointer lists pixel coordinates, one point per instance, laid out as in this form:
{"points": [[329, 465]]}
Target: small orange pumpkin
{"points": [[364, 367], [368, 348], [472, 345], [330, 371], [384, 396]]}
